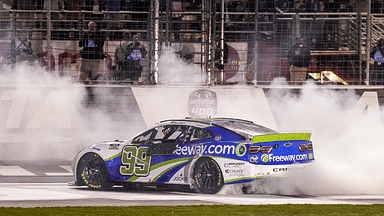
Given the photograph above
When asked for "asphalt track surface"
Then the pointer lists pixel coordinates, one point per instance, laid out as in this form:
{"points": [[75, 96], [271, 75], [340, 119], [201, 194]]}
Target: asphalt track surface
{"points": [[30, 184]]}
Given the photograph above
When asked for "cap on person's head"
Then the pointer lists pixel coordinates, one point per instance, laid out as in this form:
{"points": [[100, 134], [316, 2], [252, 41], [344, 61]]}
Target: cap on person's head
{"points": [[90, 23], [136, 38]]}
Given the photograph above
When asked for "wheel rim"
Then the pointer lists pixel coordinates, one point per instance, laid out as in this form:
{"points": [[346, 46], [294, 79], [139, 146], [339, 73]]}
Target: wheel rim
{"points": [[94, 171], [209, 177]]}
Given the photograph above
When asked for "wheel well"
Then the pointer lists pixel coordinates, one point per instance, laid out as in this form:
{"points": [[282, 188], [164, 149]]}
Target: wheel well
{"points": [[201, 158], [79, 179], [193, 184]]}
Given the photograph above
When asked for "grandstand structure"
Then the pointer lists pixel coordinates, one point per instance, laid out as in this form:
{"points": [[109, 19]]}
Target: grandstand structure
{"points": [[226, 41]]}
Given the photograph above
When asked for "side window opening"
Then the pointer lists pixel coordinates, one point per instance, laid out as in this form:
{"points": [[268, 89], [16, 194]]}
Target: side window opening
{"points": [[166, 139], [200, 134], [144, 137]]}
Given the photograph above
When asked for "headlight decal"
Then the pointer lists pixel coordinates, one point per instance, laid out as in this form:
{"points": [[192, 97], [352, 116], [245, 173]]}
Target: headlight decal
{"points": [[241, 150]]}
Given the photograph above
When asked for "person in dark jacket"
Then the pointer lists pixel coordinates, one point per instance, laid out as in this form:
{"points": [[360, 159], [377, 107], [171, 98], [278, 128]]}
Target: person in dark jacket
{"points": [[92, 42], [134, 51], [218, 64], [299, 56], [377, 72]]}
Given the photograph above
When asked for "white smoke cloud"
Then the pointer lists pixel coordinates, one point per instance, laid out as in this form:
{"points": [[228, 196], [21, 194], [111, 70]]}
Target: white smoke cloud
{"points": [[95, 123], [173, 69], [348, 151], [30, 94]]}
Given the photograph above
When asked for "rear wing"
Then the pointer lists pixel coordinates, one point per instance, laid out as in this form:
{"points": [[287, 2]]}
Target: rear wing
{"points": [[281, 137]]}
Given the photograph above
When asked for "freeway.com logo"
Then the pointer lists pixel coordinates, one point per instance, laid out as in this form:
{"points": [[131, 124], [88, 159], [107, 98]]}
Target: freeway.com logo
{"points": [[283, 158], [200, 149]]}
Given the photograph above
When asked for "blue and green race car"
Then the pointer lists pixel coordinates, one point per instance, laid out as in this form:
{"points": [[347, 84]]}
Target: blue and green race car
{"points": [[201, 154]]}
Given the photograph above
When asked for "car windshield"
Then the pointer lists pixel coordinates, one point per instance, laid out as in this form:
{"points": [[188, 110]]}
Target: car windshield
{"points": [[244, 128]]}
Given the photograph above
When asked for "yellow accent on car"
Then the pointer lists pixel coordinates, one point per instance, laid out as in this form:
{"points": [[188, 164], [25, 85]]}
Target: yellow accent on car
{"points": [[281, 137]]}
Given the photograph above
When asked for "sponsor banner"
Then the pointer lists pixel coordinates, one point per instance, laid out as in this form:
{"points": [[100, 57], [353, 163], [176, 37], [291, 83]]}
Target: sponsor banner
{"points": [[233, 169], [191, 150], [233, 164], [178, 178], [202, 103], [235, 172], [276, 159]]}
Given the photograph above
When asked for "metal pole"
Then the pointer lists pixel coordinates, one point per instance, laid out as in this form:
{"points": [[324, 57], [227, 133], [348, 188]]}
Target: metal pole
{"points": [[49, 35], [369, 20], [13, 41], [204, 41], [359, 51], [255, 56], [168, 24], [209, 36], [222, 41], [156, 45]]}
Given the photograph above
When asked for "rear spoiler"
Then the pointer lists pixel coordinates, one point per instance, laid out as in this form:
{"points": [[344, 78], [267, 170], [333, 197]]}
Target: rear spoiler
{"points": [[281, 137]]}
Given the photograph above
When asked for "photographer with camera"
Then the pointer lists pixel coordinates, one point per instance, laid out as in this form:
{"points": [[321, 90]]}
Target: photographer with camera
{"points": [[92, 53], [128, 57], [23, 47]]}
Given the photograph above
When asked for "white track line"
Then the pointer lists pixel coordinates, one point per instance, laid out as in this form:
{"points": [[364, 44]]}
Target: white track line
{"points": [[14, 171]]}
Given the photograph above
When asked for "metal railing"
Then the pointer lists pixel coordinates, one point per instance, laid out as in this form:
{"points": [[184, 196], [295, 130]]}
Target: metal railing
{"points": [[338, 41]]}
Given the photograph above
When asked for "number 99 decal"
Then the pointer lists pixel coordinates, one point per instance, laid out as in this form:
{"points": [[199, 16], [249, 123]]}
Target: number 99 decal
{"points": [[135, 161]]}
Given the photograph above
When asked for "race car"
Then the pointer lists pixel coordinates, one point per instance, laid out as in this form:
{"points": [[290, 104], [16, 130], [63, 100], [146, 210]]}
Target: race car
{"points": [[201, 154]]}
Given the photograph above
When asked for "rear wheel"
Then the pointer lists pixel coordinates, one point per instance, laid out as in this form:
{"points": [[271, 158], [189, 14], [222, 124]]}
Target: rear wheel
{"points": [[93, 171], [207, 175]]}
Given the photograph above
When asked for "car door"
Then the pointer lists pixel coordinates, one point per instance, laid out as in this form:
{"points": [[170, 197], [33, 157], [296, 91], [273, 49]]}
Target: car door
{"points": [[151, 152]]}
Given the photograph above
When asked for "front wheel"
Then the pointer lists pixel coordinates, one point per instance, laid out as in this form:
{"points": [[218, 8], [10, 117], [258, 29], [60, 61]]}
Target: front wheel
{"points": [[94, 172], [207, 175]]}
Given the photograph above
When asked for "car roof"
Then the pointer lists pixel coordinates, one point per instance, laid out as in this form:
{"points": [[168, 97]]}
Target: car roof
{"points": [[243, 127], [206, 121]]}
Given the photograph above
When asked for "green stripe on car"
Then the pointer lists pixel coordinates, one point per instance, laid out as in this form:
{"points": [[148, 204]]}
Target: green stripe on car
{"points": [[281, 137]]}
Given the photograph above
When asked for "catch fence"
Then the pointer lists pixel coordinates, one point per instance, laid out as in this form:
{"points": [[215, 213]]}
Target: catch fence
{"points": [[217, 45]]}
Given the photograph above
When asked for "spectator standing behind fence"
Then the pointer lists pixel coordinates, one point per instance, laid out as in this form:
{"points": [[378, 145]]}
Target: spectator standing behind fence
{"points": [[23, 47], [120, 56], [298, 7], [299, 56], [92, 53], [133, 52], [218, 64], [377, 72]]}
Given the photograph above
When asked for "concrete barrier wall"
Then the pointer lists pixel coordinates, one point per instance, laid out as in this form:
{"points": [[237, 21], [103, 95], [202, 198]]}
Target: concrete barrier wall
{"points": [[45, 123]]}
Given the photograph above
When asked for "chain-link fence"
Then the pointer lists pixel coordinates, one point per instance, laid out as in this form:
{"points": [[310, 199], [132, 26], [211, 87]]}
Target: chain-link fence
{"points": [[206, 41]]}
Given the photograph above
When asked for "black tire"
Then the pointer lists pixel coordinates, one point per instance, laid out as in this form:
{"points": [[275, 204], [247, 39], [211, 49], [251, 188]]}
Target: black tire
{"points": [[93, 171], [207, 176]]}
